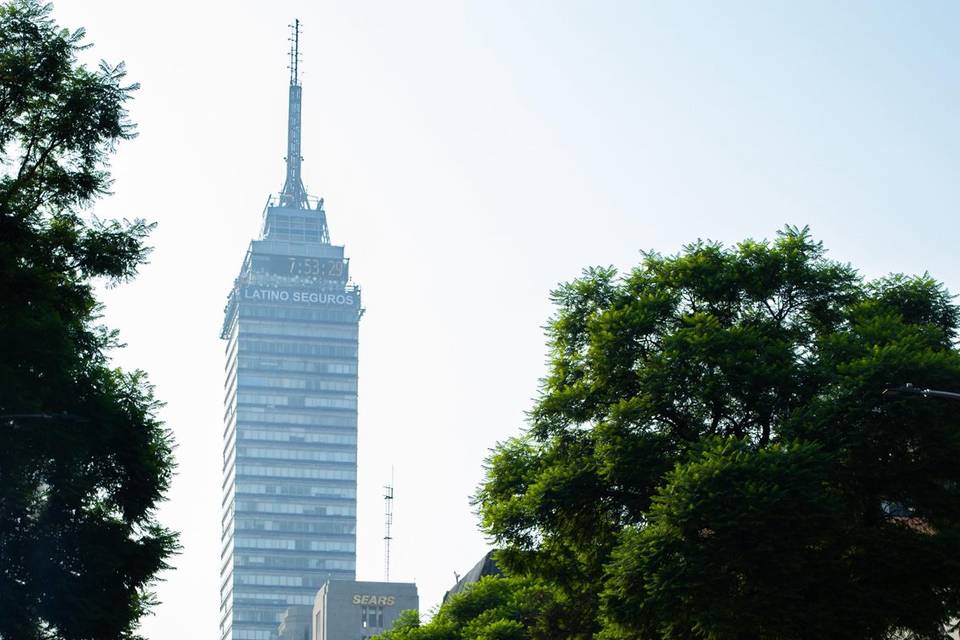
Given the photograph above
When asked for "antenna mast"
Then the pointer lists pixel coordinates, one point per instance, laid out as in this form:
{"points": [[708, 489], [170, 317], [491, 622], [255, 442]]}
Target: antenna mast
{"points": [[294, 195], [388, 522], [295, 53]]}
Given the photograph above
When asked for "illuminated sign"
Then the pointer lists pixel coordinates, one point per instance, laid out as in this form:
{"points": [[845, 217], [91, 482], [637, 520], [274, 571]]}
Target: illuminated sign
{"points": [[324, 268], [298, 296], [386, 601]]}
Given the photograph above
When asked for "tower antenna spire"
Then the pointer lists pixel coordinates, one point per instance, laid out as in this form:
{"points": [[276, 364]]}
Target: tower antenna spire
{"points": [[294, 195], [295, 53]]}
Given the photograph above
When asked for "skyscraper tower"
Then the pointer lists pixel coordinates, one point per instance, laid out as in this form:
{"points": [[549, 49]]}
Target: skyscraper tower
{"points": [[290, 434]]}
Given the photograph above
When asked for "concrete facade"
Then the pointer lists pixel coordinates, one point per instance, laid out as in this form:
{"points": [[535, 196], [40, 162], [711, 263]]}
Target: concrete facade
{"points": [[349, 610]]}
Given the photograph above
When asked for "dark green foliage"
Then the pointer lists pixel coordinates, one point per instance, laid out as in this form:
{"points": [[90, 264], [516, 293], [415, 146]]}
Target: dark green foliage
{"points": [[731, 512], [711, 456], [83, 458], [493, 608]]}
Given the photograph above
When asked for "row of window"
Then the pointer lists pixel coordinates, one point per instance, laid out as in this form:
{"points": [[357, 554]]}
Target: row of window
{"points": [[297, 365], [303, 314], [258, 488], [346, 402], [284, 562], [297, 234], [297, 348], [314, 277], [278, 581], [318, 455], [249, 614], [289, 526], [296, 472], [306, 384], [343, 332], [280, 599], [273, 416], [272, 400], [289, 544], [251, 634], [285, 226], [297, 436], [297, 508]]}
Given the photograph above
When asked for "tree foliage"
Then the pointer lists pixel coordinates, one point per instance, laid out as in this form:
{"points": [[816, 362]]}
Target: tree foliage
{"points": [[711, 455], [84, 459], [494, 608]]}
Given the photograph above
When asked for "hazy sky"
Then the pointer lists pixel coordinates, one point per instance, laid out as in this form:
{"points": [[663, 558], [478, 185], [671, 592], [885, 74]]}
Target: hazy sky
{"points": [[472, 156]]}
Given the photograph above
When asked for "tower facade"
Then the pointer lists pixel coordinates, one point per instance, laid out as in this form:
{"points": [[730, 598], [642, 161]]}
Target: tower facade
{"points": [[290, 433]]}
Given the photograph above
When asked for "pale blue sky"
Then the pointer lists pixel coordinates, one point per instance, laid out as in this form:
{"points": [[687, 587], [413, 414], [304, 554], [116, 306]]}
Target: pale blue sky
{"points": [[472, 156]]}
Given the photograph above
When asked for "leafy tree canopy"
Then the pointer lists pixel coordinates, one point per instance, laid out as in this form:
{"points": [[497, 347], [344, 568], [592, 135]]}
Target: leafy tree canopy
{"points": [[84, 459], [494, 608], [712, 457]]}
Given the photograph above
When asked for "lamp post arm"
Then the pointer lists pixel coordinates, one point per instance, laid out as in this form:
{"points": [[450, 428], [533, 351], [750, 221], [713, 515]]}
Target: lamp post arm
{"points": [[916, 391]]}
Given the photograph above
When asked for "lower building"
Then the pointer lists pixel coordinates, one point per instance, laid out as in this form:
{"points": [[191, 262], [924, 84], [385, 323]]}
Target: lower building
{"points": [[486, 567], [349, 610]]}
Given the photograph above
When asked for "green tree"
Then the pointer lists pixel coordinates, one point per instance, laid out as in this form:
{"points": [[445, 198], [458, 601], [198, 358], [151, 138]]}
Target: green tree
{"points": [[711, 456], [84, 459], [494, 608]]}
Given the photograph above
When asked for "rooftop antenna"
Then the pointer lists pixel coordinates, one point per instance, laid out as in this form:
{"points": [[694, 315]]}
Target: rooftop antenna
{"points": [[294, 194], [388, 522], [294, 53]]}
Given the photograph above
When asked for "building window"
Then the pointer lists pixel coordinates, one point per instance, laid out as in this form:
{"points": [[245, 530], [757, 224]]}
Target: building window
{"points": [[371, 617]]}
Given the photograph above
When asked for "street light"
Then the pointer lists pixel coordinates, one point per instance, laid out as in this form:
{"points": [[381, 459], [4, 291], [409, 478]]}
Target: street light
{"points": [[909, 389]]}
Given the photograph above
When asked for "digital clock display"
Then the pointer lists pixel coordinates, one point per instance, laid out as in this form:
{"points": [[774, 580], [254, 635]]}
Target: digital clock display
{"points": [[323, 268]]}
